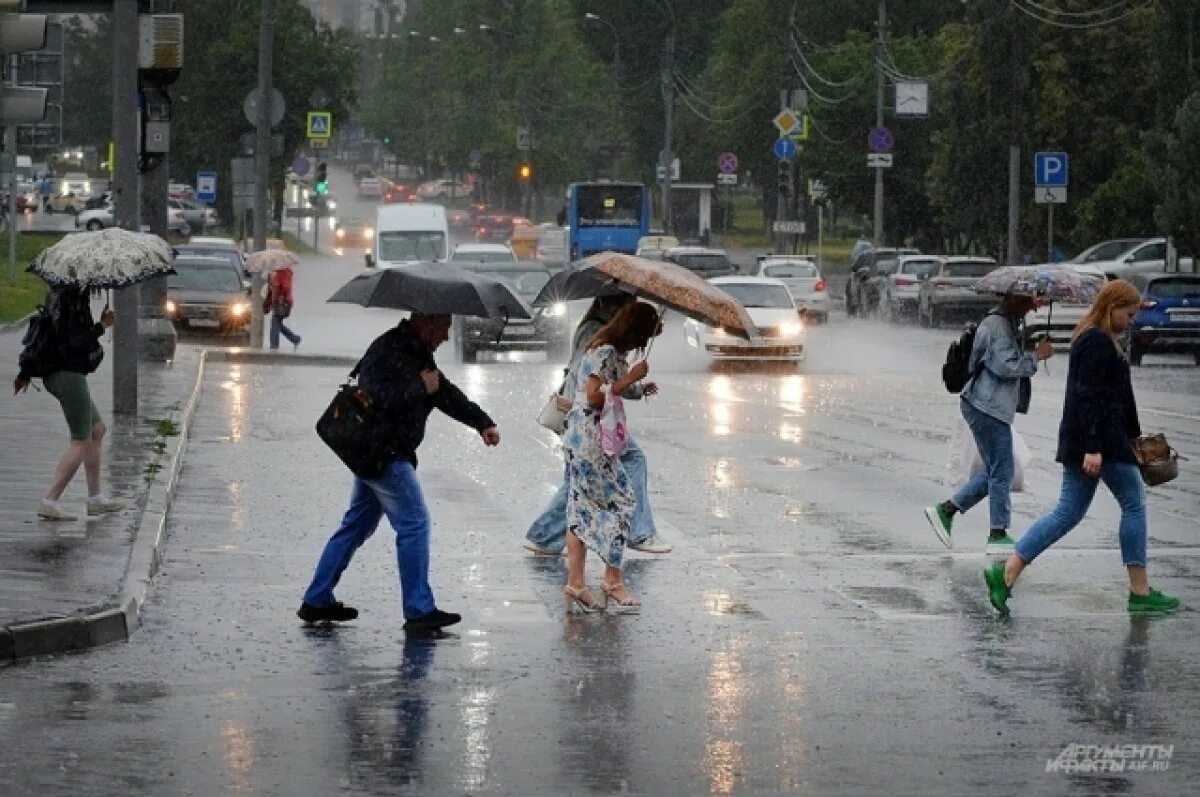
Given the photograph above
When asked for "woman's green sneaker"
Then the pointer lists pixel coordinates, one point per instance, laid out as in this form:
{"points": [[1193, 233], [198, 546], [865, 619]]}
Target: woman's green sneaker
{"points": [[1153, 602], [998, 591], [941, 521], [1001, 544]]}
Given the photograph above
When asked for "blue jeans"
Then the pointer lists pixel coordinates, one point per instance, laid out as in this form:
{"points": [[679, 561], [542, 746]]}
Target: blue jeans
{"points": [[398, 494], [550, 529], [1124, 481], [278, 326], [995, 441]]}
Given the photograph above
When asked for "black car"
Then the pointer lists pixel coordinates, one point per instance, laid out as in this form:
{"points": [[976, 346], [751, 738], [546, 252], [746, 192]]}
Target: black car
{"points": [[548, 331], [493, 228], [868, 273], [231, 256], [207, 294]]}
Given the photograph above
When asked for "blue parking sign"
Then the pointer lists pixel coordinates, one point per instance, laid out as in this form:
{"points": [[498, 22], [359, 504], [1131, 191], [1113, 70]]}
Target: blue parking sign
{"points": [[206, 187], [1050, 169]]}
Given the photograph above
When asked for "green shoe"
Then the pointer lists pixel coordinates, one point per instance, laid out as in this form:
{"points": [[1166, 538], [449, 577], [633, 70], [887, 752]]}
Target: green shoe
{"points": [[941, 523], [998, 591], [1153, 603], [1002, 545]]}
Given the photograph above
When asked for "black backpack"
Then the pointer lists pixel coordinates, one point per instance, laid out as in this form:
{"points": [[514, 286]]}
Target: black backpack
{"points": [[39, 357], [956, 371]]}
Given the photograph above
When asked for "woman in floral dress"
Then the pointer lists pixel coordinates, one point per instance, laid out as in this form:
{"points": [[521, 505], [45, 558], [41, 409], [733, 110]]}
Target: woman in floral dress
{"points": [[600, 499]]}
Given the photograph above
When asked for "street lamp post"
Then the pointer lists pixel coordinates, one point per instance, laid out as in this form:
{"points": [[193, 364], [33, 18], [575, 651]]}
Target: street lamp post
{"points": [[616, 73]]}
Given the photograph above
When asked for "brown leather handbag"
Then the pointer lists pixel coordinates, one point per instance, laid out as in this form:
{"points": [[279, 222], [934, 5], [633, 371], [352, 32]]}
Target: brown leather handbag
{"points": [[1158, 461]]}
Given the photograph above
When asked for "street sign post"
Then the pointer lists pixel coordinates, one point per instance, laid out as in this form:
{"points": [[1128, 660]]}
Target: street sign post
{"points": [[785, 149], [250, 107], [320, 125], [880, 139], [727, 163], [724, 178], [789, 227], [1050, 196], [801, 130], [206, 187], [879, 160], [1051, 176], [301, 166], [661, 172], [786, 121], [524, 139]]}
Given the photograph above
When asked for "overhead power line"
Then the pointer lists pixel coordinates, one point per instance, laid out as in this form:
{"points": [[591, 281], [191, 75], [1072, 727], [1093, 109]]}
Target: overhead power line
{"points": [[1030, 11], [1092, 12]]}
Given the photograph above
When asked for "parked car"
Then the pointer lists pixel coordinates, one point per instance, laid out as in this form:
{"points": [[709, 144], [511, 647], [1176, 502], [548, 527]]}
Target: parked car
{"points": [[95, 218], [902, 288], [206, 293], [1058, 321], [701, 261], [354, 233], [65, 203], [947, 290], [549, 330], [197, 215], [803, 281], [1169, 320], [176, 223], [1106, 250], [370, 188], [864, 286], [181, 191], [482, 253], [76, 183], [771, 308], [554, 244], [654, 247]]}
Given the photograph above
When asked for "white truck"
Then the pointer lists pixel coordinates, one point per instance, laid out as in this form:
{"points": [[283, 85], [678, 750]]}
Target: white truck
{"points": [[410, 232]]}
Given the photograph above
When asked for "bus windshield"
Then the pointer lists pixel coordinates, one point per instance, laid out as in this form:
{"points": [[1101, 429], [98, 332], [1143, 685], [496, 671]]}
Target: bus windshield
{"points": [[609, 205], [411, 245]]}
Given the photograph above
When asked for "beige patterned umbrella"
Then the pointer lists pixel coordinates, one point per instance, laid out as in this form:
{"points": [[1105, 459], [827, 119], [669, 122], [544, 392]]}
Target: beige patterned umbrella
{"points": [[269, 260], [657, 281]]}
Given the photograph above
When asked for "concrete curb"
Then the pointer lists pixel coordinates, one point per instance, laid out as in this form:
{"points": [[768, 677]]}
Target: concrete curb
{"points": [[20, 322], [117, 619], [260, 357]]}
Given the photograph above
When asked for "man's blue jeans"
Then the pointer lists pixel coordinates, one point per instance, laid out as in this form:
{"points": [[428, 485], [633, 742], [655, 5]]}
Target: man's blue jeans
{"points": [[398, 494], [1124, 481], [995, 441], [550, 529], [277, 326]]}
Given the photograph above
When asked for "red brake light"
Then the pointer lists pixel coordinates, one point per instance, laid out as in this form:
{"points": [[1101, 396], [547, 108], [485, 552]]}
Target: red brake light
{"points": [[1148, 303], [820, 286], [905, 281]]}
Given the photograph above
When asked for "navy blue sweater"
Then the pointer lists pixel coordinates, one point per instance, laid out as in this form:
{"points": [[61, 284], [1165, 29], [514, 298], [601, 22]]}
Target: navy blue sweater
{"points": [[1099, 414]]}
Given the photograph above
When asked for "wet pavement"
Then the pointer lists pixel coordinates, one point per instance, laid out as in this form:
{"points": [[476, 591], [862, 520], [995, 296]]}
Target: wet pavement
{"points": [[807, 635]]}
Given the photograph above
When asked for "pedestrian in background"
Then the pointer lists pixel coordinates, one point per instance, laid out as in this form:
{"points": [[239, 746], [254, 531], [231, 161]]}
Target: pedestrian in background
{"points": [[600, 496], [279, 303], [1000, 386], [399, 373], [72, 352], [1095, 444], [547, 535]]}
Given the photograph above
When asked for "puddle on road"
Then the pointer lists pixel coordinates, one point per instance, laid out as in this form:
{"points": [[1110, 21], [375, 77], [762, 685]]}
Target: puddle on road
{"points": [[902, 599], [723, 604]]}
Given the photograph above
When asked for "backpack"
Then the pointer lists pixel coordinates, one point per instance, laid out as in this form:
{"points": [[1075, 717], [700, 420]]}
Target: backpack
{"points": [[956, 371], [39, 357]]}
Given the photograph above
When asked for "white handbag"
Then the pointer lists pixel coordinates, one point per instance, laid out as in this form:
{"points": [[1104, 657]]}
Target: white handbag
{"points": [[554, 414]]}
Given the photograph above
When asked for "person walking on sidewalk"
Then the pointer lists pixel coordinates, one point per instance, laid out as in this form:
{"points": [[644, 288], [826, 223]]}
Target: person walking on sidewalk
{"points": [[400, 375], [279, 303], [1000, 386], [600, 497], [72, 350], [547, 535], [1095, 444]]}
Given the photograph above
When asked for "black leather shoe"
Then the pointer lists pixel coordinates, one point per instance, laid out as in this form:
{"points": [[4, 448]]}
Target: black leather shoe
{"points": [[433, 621], [336, 613]]}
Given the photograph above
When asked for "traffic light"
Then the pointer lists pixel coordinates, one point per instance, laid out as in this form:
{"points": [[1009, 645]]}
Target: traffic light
{"points": [[321, 182], [783, 178], [21, 33], [525, 172]]}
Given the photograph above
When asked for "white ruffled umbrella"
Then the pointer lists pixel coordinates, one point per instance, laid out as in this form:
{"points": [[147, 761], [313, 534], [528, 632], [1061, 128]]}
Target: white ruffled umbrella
{"points": [[110, 258], [269, 260]]}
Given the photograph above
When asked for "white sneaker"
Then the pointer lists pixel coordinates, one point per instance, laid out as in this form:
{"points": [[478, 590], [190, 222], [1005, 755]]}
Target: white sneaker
{"points": [[101, 505], [538, 550], [652, 544], [48, 510]]}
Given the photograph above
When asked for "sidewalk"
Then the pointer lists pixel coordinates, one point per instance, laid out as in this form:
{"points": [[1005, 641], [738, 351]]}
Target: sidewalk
{"points": [[71, 585]]}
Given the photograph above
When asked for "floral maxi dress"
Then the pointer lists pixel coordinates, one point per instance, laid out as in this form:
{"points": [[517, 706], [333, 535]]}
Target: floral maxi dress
{"points": [[600, 498]]}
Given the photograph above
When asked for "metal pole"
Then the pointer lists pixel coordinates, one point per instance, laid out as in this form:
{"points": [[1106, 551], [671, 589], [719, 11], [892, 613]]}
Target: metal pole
{"points": [[125, 198], [1050, 232], [262, 162], [820, 236], [1014, 200], [10, 146], [156, 335], [878, 233], [669, 103], [616, 155], [781, 200]]}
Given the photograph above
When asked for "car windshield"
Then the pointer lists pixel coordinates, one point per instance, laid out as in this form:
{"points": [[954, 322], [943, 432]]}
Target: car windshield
{"points": [[702, 262], [194, 275], [970, 268], [885, 266], [610, 205], [483, 257], [790, 270], [228, 255], [524, 283], [754, 295], [1110, 250], [919, 268], [1177, 288], [411, 245]]}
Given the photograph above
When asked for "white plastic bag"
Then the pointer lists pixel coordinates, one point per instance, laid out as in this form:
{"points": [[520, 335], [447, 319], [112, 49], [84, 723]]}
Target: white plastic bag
{"points": [[614, 436], [969, 463]]}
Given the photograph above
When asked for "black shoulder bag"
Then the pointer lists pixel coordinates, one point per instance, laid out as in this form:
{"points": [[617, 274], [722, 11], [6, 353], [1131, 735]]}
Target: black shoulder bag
{"points": [[354, 429]]}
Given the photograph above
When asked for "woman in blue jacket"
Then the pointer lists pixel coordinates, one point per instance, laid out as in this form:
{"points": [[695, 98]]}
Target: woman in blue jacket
{"points": [[1095, 443]]}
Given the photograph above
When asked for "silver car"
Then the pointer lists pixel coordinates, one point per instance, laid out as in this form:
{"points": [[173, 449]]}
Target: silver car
{"points": [[803, 281], [902, 289], [947, 290]]}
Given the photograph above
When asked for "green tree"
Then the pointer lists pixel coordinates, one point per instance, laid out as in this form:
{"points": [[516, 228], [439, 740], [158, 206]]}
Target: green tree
{"points": [[1179, 211], [87, 80]]}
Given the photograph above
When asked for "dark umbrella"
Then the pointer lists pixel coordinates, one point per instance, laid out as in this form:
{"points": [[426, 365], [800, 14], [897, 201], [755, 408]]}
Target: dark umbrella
{"points": [[433, 289]]}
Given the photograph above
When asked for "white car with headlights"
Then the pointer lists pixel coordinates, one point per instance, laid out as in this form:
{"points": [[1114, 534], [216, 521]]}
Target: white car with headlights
{"points": [[803, 281], [773, 311]]}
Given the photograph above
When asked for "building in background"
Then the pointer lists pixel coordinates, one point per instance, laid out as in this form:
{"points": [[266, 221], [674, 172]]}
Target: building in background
{"points": [[362, 17]]}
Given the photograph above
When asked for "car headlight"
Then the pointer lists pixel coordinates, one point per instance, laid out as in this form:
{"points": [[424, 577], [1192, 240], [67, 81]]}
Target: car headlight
{"points": [[557, 310], [719, 331], [239, 308], [331, 205], [791, 330], [170, 306], [368, 233], [87, 188], [340, 233]]}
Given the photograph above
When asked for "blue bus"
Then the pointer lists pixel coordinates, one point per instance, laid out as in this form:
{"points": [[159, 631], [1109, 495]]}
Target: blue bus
{"points": [[606, 217]]}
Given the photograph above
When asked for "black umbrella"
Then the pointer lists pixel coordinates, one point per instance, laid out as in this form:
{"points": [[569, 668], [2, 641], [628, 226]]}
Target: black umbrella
{"points": [[433, 289]]}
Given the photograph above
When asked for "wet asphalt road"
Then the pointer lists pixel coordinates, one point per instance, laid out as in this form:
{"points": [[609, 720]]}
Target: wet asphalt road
{"points": [[807, 635]]}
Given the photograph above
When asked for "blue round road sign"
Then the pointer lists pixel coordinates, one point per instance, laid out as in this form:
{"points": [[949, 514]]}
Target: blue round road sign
{"points": [[300, 166], [785, 149], [727, 163], [880, 139]]}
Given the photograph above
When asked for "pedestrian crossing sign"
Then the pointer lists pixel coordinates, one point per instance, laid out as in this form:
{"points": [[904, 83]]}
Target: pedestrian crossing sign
{"points": [[320, 124]]}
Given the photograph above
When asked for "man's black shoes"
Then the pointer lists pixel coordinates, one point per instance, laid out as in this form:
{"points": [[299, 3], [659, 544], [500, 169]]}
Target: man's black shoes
{"points": [[431, 622], [336, 613]]}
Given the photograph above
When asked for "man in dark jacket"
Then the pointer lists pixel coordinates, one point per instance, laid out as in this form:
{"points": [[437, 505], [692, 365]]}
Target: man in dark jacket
{"points": [[400, 375]]}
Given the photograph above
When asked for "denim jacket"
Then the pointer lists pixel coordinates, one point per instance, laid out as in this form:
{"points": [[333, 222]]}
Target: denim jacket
{"points": [[1000, 386], [583, 336]]}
